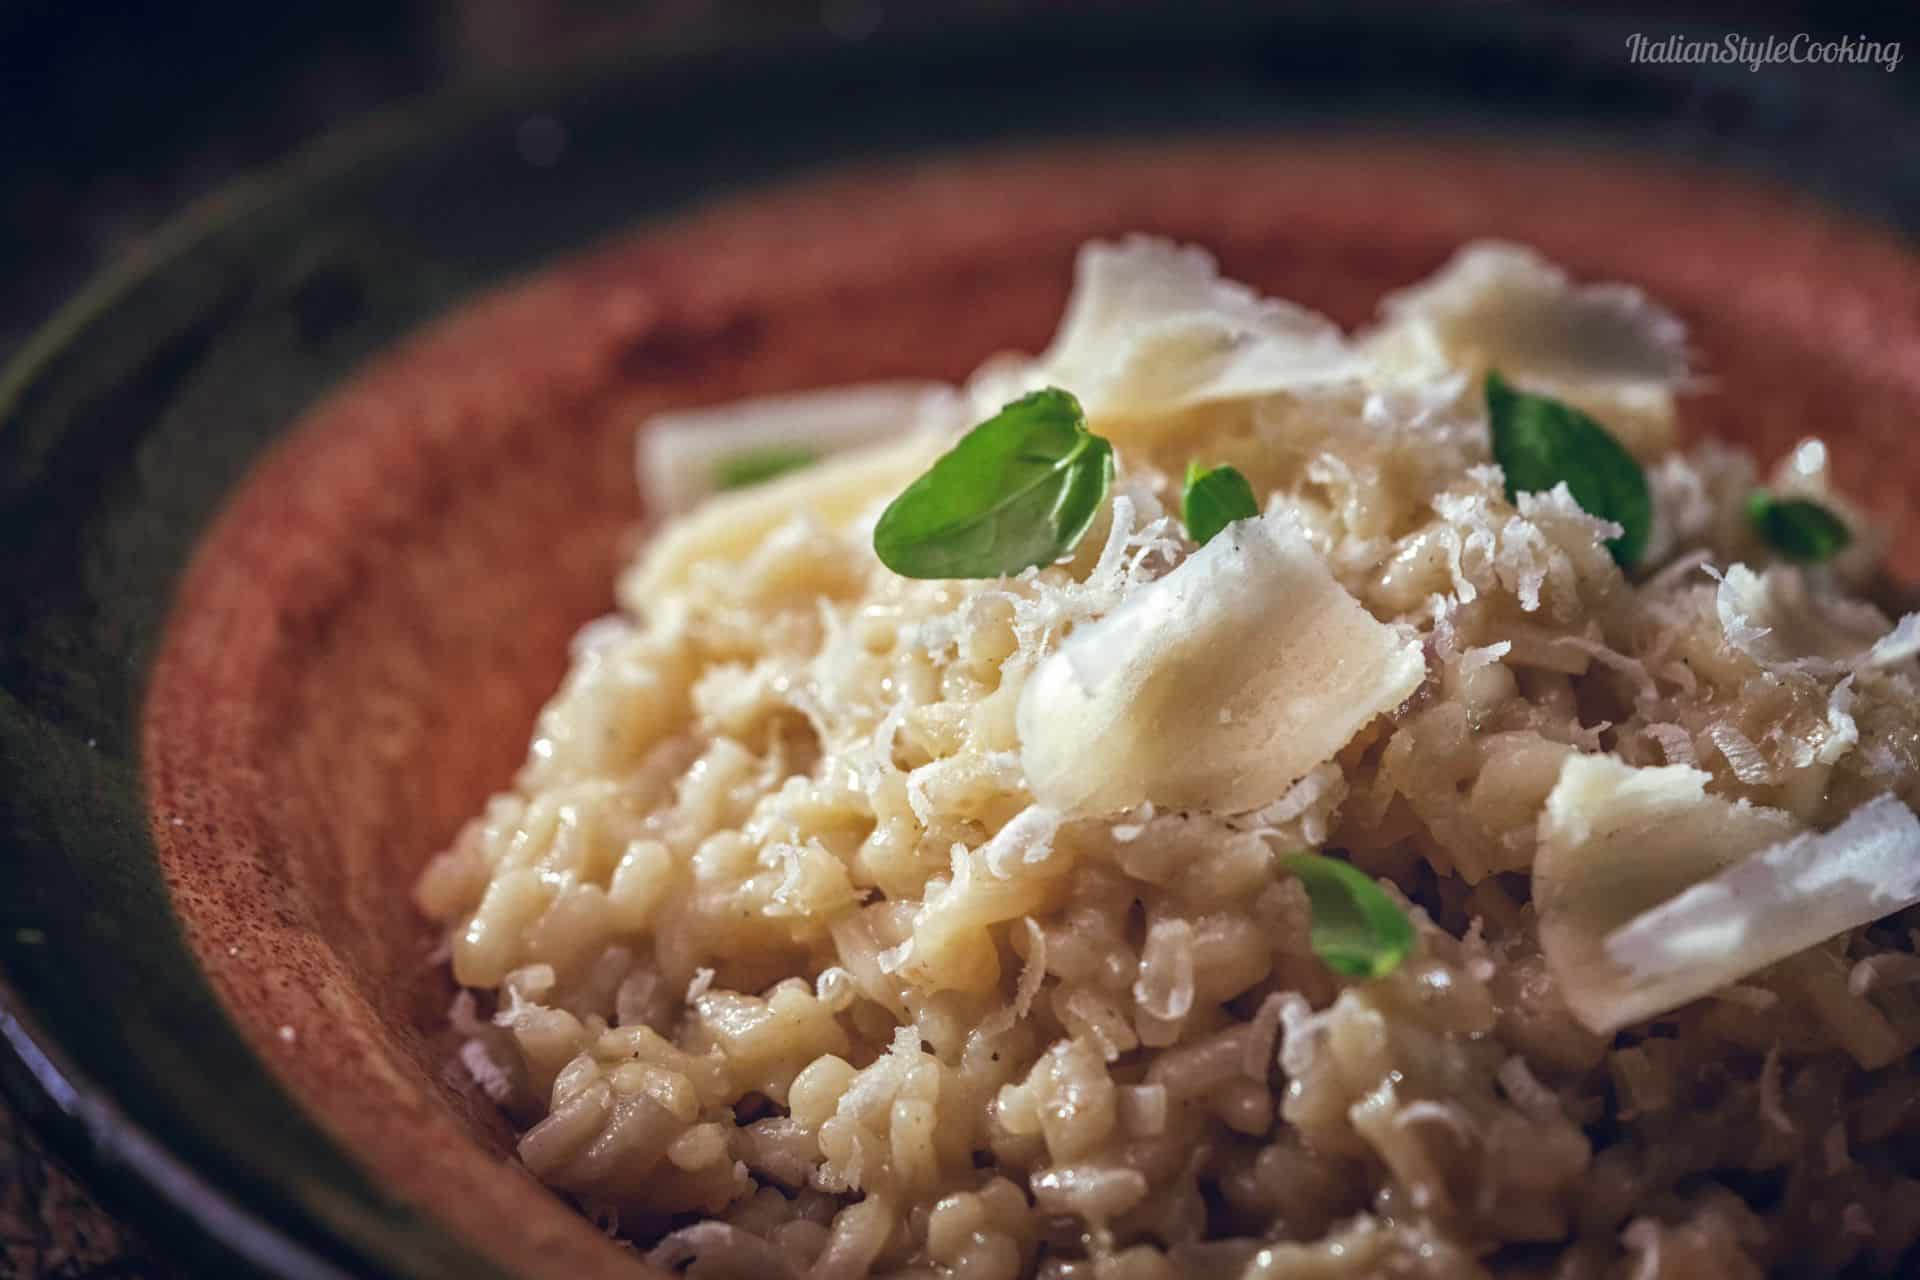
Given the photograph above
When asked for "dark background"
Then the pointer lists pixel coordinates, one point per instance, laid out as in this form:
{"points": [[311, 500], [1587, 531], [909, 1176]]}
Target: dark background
{"points": [[114, 115]]}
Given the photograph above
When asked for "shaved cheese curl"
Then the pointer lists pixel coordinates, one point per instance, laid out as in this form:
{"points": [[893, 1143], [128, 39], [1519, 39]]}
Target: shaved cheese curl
{"points": [[1215, 687]]}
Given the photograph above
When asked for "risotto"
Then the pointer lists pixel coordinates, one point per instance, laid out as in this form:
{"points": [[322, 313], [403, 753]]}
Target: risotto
{"points": [[1224, 797]]}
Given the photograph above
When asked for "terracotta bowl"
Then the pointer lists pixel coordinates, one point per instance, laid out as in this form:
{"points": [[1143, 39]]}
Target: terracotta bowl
{"points": [[350, 661]]}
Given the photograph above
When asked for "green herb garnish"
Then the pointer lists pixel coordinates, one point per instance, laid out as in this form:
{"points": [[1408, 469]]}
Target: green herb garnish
{"points": [[1798, 528], [1214, 499], [757, 466], [1357, 929], [1018, 490], [1540, 442]]}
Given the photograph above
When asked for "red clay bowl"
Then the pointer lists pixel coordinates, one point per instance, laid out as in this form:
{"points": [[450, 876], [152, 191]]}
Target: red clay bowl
{"points": [[351, 658]]}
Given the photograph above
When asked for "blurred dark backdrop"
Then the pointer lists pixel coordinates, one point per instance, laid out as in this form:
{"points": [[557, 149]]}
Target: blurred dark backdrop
{"points": [[115, 113]]}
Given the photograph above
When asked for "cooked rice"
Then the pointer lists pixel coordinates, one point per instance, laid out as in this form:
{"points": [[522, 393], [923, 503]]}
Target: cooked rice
{"points": [[788, 972]]}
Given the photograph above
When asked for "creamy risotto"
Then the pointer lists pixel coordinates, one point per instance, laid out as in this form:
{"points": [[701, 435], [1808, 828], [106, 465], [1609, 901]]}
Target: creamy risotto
{"points": [[909, 879]]}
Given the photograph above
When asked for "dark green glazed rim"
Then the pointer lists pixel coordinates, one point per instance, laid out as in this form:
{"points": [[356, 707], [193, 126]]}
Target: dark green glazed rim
{"points": [[128, 418]]}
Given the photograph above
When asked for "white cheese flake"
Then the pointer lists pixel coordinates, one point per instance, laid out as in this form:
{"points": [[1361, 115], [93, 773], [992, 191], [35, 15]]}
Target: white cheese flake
{"points": [[682, 454], [702, 979], [1025, 840], [1606, 347], [1781, 900], [729, 527], [1127, 710], [1616, 841], [1843, 731], [1777, 619], [1152, 328], [1508, 304], [1032, 973], [1898, 645]]}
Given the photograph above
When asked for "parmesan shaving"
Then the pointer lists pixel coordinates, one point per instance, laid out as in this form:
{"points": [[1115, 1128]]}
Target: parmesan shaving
{"points": [[1606, 347], [1309, 805], [1777, 619], [1126, 711], [1152, 328], [1128, 832], [1675, 743], [1484, 655], [1616, 841], [1784, 899], [1741, 755], [719, 1248], [681, 454], [1032, 974], [1843, 732], [729, 526], [494, 1080], [893, 959], [1898, 645], [702, 979], [1025, 840]]}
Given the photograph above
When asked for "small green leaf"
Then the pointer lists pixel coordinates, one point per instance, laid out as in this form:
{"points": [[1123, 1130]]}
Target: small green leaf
{"points": [[1798, 528], [1018, 490], [757, 466], [1540, 442], [1214, 499], [1357, 929]]}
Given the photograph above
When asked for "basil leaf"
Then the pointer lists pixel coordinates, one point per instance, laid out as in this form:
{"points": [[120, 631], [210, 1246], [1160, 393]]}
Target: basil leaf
{"points": [[757, 466], [1018, 490], [1214, 499], [1357, 929], [1798, 528], [1540, 442]]}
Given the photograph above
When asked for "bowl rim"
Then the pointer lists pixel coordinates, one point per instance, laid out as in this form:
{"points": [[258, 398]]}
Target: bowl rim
{"points": [[83, 1122], [91, 1133]]}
